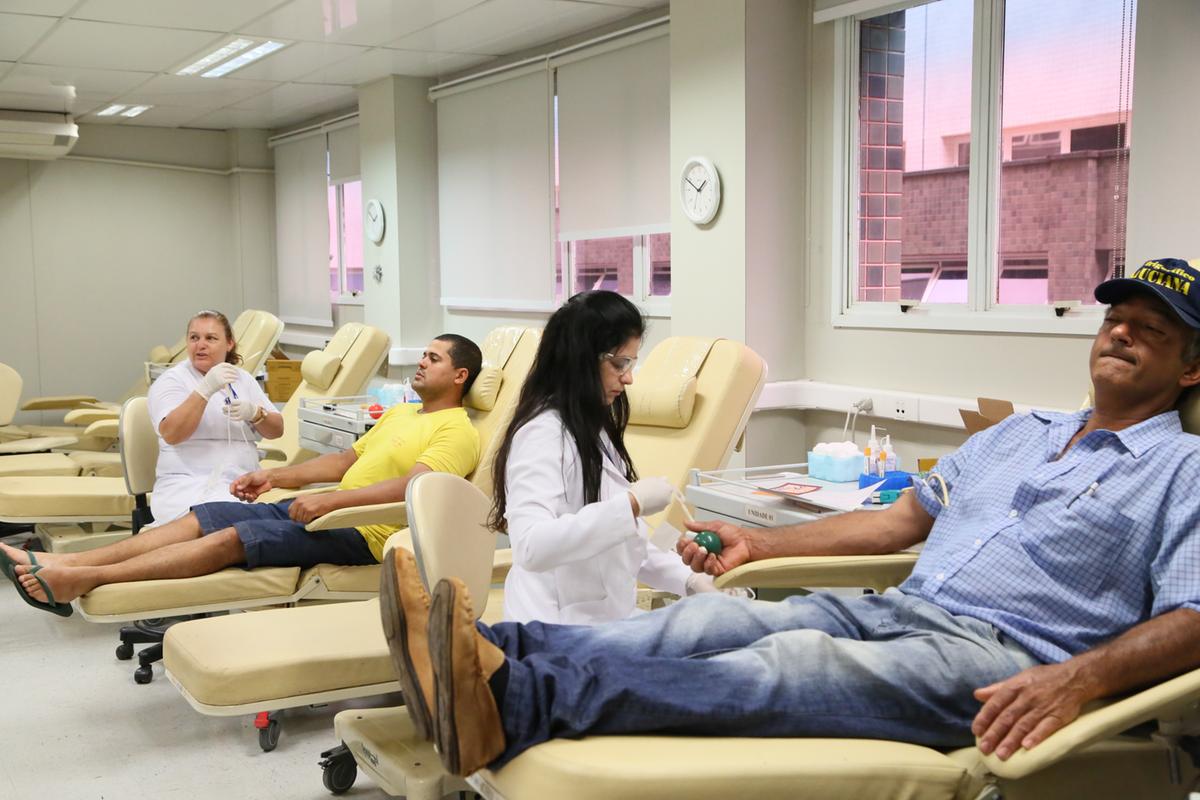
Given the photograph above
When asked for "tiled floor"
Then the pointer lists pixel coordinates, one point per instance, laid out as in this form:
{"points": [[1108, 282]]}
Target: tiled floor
{"points": [[76, 726]]}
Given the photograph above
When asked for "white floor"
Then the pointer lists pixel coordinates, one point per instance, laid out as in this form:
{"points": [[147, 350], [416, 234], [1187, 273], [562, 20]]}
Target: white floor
{"points": [[76, 726]]}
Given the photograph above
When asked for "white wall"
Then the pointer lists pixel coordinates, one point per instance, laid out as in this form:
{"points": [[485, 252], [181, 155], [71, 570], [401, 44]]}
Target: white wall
{"points": [[101, 260], [1164, 199]]}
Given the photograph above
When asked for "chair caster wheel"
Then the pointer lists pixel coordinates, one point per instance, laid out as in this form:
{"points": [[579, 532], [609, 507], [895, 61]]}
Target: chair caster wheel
{"points": [[338, 770], [339, 776], [143, 674], [124, 651], [268, 737]]}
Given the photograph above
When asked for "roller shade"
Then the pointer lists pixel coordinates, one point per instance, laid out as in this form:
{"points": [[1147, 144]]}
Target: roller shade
{"points": [[494, 194], [614, 138], [302, 231]]}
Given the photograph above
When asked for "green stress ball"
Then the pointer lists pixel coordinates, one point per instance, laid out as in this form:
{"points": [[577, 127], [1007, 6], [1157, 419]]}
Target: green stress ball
{"points": [[709, 541]]}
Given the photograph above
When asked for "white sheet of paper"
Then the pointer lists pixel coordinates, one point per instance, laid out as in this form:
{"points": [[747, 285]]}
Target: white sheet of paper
{"points": [[834, 499]]}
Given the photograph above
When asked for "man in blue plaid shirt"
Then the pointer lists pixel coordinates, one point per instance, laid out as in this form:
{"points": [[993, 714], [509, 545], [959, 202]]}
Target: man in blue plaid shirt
{"points": [[1064, 567]]}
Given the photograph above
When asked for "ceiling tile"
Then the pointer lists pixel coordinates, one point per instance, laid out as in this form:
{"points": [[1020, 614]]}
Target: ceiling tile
{"points": [[18, 32], [381, 62], [86, 103], [107, 45], [188, 91], [29, 77], [209, 15], [364, 22], [228, 118], [159, 117], [299, 97], [52, 8], [297, 61], [506, 26]]}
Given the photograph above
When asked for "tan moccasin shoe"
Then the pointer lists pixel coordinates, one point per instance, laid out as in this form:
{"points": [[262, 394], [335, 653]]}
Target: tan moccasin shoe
{"points": [[467, 730], [404, 610]]}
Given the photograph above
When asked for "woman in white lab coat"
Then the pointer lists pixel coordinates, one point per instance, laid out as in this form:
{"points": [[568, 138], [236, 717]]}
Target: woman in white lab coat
{"points": [[566, 490], [209, 415]]}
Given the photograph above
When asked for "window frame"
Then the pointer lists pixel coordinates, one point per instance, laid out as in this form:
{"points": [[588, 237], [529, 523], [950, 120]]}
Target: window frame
{"points": [[343, 297], [657, 306], [980, 313]]}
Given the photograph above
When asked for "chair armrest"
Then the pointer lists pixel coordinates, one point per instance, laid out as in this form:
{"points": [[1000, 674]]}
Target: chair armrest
{"points": [[374, 514], [40, 444], [278, 495], [104, 429], [57, 402], [1168, 701], [268, 453], [86, 416], [501, 563], [104, 405], [877, 572]]}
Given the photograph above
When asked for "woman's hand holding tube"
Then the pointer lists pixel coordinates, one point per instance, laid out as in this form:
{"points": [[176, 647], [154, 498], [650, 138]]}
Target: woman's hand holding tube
{"points": [[216, 379], [241, 410], [651, 495]]}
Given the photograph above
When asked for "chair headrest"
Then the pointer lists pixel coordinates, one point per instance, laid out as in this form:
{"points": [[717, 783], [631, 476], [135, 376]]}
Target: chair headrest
{"points": [[485, 389], [10, 393], [664, 394], [319, 369], [159, 354], [1189, 410]]}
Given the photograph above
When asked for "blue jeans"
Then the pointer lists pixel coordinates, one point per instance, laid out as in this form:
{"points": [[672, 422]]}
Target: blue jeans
{"points": [[876, 666]]}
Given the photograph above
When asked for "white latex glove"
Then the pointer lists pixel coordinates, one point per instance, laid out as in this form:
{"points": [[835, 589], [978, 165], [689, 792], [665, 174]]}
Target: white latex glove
{"points": [[216, 379], [241, 410], [652, 495], [699, 582]]}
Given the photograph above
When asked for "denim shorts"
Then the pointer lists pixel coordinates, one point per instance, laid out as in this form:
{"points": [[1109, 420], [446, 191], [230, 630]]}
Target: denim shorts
{"points": [[272, 539]]}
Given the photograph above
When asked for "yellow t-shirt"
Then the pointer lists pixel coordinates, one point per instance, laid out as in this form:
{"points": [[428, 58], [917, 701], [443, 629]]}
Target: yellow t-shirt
{"points": [[444, 441]]}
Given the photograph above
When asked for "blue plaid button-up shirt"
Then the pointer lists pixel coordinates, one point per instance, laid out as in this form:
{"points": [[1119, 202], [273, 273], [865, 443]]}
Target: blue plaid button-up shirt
{"points": [[1065, 554]]}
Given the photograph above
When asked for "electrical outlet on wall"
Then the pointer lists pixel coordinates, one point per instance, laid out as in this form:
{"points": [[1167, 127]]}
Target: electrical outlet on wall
{"points": [[903, 408]]}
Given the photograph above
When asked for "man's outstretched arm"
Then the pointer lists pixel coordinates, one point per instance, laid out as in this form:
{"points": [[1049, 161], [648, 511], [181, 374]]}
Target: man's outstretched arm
{"points": [[1026, 708], [901, 525]]}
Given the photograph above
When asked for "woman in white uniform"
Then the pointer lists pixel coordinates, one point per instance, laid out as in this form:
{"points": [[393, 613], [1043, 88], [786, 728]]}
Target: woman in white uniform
{"points": [[209, 415], [567, 492]]}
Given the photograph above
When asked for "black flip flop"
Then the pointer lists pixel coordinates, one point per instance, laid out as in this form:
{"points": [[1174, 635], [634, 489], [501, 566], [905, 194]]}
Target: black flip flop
{"points": [[50, 604]]}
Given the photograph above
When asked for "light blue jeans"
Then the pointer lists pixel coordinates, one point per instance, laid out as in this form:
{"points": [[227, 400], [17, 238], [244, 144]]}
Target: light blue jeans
{"points": [[884, 666]]}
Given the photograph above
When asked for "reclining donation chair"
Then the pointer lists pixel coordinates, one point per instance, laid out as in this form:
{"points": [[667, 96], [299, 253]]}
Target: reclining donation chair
{"points": [[267, 662], [711, 387], [256, 332]]}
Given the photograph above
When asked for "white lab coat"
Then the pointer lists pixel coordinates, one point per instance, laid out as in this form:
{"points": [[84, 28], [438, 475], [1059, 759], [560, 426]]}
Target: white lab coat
{"points": [[575, 563], [200, 468]]}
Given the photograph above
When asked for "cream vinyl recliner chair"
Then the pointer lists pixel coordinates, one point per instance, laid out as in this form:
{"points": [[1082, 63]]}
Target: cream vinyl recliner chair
{"points": [[256, 332], [1139, 745], [267, 662], [696, 397]]}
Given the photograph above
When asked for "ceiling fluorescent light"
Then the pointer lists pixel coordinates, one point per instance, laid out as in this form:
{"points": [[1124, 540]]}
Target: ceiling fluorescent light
{"points": [[218, 55], [264, 49], [111, 110], [133, 111]]}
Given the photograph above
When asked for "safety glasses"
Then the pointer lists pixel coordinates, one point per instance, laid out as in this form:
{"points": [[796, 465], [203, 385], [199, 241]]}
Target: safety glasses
{"points": [[622, 364]]}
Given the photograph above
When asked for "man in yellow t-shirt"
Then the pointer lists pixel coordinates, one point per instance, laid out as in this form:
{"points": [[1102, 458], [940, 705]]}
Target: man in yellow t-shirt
{"points": [[436, 436]]}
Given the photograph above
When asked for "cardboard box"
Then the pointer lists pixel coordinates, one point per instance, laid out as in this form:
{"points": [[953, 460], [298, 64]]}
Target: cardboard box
{"points": [[990, 412], [283, 378]]}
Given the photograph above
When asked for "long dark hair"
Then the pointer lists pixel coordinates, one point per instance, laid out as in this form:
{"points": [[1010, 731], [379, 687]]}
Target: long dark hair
{"points": [[565, 377]]}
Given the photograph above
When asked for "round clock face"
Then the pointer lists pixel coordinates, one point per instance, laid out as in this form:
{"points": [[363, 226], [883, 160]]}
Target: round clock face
{"points": [[374, 222], [700, 190]]}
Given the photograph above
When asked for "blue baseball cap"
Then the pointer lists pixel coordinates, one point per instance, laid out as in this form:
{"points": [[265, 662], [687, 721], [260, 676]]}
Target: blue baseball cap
{"points": [[1172, 279]]}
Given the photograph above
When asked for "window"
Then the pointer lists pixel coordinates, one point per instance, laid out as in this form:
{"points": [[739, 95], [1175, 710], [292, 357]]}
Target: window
{"points": [[638, 267], [968, 211], [345, 241]]}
